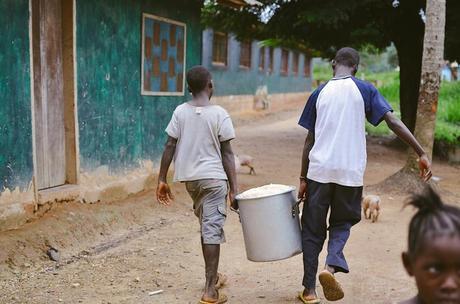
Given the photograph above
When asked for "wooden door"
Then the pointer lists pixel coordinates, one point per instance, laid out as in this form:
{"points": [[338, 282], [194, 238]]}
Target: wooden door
{"points": [[50, 145]]}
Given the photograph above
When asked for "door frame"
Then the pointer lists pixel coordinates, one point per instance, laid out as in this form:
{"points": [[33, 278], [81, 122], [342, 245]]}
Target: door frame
{"points": [[72, 169]]}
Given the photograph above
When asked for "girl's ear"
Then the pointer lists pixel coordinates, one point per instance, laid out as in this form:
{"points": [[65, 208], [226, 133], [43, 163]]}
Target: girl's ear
{"points": [[407, 263]]}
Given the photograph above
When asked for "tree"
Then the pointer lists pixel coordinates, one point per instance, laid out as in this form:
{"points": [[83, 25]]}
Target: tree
{"points": [[321, 27], [433, 56]]}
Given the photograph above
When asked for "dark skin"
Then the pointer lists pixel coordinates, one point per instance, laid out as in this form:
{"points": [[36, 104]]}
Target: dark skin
{"points": [[393, 123], [164, 196], [436, 268]]}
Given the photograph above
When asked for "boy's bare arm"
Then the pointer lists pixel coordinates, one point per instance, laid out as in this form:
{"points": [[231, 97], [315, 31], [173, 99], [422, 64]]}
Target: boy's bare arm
{"points": [[309, 142], [228, 161], [400, 129], [164, 195]]}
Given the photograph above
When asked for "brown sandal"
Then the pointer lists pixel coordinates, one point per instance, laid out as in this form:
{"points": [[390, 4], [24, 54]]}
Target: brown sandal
{"points": [[222, 298], [331, 287]]}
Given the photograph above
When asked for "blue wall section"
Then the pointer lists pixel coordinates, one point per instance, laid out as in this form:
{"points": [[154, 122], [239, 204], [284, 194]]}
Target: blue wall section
{"points": [[16, 165], [234, 80], [117, 125]]}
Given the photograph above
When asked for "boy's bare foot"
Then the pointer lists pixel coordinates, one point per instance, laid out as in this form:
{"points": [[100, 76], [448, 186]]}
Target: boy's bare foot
{"points": [[210, 296], [331, 287], [309, 296], [330, 269], [218, 299]]}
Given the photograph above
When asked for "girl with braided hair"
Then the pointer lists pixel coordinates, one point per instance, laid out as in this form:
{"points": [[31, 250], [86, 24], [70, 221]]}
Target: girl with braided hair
{"points": [[433, 256]]}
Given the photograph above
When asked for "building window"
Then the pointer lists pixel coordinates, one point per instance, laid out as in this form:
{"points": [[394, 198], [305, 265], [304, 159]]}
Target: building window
{"points": [[219, 49], [284, 62], [262, 58], [245, 54], [295, 64], [306, 67], [163, 56], [270, 60]]}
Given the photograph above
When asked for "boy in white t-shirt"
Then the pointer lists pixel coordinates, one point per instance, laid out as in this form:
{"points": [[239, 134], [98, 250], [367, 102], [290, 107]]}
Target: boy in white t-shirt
{"points": [[333, 164], [199, 136]]}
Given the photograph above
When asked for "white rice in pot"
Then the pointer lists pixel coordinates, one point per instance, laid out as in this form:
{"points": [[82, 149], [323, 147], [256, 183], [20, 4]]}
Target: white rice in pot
{"points": [[267, 190]]}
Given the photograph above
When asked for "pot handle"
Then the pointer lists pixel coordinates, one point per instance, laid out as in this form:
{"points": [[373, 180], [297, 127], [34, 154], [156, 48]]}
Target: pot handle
{"points": [[237, 212], [234, 210], [295, 207]]}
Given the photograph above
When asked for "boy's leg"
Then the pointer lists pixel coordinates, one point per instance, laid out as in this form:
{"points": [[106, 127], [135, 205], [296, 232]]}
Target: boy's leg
{"points": [[209, 197], [211, 254], [345, 212], [314, 216]]}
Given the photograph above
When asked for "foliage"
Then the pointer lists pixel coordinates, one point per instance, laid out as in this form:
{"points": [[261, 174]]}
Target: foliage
{"points": [[375, 66], [447, 132], [322, 27], [449, 102], [325, 26], [448, 116]]}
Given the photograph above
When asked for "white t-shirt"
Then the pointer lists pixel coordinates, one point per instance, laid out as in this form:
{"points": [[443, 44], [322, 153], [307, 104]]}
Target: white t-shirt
{"points": [[199, 132], [336, 113]]}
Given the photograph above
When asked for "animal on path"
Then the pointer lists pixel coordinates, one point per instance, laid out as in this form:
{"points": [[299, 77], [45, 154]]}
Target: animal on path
{"points": [[261, 99], [371, 207], [244, 161]]}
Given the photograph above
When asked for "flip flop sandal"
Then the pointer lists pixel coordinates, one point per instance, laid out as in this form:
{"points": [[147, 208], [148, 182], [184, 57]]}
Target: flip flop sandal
{"points": [[331, 287], [305, 301], [221, 280], [222, 298]]}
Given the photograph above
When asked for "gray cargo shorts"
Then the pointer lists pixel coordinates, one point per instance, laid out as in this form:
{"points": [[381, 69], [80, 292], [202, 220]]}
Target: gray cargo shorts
{"points": [[210, 206]]}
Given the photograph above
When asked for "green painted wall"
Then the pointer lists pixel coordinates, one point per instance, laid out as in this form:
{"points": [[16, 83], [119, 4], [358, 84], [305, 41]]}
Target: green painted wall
{"points": [[117, 125], [16, 164]]}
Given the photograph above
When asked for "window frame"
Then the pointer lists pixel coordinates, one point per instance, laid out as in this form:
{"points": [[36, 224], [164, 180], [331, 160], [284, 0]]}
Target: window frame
{"points": [[145, 92], [219, 63], [262, 51], [284, 66], [271, 55], [246, 65], [307, 66], [295, 63]]}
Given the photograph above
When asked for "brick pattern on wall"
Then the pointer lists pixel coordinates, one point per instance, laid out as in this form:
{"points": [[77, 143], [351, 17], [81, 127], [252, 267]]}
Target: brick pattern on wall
{"points": [[164, 56]]}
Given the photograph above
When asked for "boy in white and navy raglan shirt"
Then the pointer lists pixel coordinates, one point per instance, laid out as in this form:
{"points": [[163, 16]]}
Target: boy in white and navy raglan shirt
{"points": [[333, 164]]}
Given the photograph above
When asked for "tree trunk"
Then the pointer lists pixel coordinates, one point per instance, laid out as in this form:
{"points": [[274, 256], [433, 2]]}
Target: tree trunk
{"points": [[410, 51], [433, 54]]}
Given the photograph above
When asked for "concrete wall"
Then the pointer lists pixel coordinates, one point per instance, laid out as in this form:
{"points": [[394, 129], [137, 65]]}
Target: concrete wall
{"points": [[120, 131], [16, 164], [234, 80], [118, 126]]}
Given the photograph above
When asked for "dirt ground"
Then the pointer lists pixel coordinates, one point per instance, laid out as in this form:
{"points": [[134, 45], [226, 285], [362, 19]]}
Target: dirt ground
{"points": [[121, 252]]}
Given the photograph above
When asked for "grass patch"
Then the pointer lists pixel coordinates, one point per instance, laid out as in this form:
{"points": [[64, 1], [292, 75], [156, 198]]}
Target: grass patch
{"points": [[447, 132], [449, 103]]}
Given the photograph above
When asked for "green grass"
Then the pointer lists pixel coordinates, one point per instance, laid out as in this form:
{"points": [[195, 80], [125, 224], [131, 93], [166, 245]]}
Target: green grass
{"points": [[449, 102], [448, 132], [448, 116], [322, 72]]}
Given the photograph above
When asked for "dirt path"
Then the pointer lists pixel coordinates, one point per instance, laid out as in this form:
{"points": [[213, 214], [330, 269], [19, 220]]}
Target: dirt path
{"points": [[163, 251]]}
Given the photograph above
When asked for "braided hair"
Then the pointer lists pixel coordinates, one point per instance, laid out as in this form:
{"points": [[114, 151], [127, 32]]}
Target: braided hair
{"points": [[433, 219]]}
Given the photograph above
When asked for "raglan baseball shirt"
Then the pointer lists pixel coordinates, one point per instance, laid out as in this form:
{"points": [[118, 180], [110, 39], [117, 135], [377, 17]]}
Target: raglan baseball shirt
{"points": [[336, 113]]}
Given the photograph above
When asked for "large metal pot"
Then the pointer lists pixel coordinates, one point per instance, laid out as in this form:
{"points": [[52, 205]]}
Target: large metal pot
{"points": [[271, 226]]}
